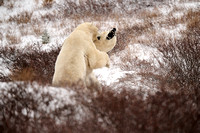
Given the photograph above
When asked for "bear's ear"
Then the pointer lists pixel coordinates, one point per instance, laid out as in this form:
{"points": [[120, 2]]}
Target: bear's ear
{"points": [[90, 24]]}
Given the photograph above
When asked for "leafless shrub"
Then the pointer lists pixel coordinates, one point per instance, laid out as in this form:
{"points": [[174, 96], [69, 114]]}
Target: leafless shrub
{"points": [[192, 25], [174, 112], [47, 3], [184, 19], [88, 7], [9, 4], [183, 55], [24, 31], [37, 29], [127, 111], [12, 39], [23, 18], [127, 34], [146, 14], [1, 2], [31, 63], [122, 39], [21, 111], [26, 74], [48, 17], [102, 8], [1, 36]]}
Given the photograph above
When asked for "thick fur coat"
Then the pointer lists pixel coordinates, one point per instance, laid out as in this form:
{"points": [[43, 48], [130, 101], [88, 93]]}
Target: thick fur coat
{"points": [[77, 53]]}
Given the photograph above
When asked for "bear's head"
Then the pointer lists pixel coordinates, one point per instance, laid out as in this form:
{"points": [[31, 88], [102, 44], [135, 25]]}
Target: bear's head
{"points": [[106, 41], [89, 28]]}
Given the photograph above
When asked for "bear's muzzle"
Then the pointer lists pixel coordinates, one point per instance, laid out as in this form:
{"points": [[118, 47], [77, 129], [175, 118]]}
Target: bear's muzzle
{"points": [[111, 34]]}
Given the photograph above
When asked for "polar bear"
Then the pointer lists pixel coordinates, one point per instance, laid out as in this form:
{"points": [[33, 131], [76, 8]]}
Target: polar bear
{"points": [[104, 42], [71, 66]]}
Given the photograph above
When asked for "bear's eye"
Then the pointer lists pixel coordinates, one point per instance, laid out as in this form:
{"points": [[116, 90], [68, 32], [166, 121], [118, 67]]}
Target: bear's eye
{"points": [[98, 37]]}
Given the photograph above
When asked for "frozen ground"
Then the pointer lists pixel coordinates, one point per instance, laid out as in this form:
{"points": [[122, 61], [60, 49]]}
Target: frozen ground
{"points": [[23, 33]]}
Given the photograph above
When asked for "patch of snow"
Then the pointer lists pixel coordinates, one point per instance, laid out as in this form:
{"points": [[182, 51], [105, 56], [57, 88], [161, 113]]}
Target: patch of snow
{"points": [[61, 96], [174, 31], [178, 14], [29, 40], [190, 5], [18, 8], [3, 12], [109, 76], [165, 10], [4, 70], [143, 52], [25, 5]]}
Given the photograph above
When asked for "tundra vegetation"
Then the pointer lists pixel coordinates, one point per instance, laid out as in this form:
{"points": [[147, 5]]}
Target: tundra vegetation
{"points": [[158, 52]]}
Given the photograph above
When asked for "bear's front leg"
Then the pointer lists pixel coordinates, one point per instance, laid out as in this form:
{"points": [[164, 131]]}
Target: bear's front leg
{"points": [[98, 59]]}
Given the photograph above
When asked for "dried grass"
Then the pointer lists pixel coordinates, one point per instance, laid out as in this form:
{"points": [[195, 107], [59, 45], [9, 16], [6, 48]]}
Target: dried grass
{"points": [[183, 56], [127, 34], [12, 39], [193, 16], [146, 14], [26, 74], [9, 5], [1, 36], [23, 18], [47, 3], [37, 29], [111, 112], [32, 64], [1, 2]]}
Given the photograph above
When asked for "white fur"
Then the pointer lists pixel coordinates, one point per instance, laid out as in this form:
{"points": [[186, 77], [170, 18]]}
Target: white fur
{"points": [[78, 52]]}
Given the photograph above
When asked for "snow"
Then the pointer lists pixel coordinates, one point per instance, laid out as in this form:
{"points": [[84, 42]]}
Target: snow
{"points": [[24, 5], [191, 5], [4, 70], [109, 76], [3, 12], [178, 14], [173, 31], [165, 10]]}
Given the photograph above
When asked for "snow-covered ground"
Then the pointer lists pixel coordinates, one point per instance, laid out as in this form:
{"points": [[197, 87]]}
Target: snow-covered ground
{"points": [[29, 32]]}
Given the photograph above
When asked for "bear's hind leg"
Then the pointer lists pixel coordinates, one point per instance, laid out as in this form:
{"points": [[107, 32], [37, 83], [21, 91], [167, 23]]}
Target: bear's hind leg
{"points": [[92, 83]]}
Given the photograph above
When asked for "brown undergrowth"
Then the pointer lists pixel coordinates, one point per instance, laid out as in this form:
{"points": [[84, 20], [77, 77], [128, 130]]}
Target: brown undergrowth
{"points": [[109, 112], [30, 64], [23, 18]]}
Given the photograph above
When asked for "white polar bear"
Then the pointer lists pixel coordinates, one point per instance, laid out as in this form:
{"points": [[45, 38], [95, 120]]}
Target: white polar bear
{"points": [[105, 42], [71, 64]]}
